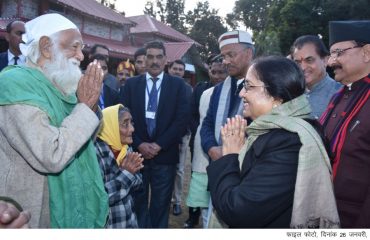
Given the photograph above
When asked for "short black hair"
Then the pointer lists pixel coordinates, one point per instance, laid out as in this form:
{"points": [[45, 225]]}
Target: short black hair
{"points": [[139, 52], [178, 61], [95, 46], [9, 25], [99, 57], [283, 78], [214, 58], [155, 44], [320, 47]]}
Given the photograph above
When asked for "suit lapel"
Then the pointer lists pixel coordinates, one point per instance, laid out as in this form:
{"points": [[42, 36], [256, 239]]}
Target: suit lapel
{"points": [[164, 95], [141, 96]]}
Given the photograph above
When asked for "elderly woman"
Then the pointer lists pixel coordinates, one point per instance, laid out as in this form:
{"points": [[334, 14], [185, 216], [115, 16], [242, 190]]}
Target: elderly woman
{"points": [[119, 166], [279, 176]]}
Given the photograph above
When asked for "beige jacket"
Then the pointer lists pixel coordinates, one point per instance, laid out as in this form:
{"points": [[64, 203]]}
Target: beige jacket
{"points": [[30, 148]]}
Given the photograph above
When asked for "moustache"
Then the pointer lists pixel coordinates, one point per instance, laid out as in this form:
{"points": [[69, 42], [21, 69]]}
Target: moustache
{"points": [[334, 67], [154, 65]]}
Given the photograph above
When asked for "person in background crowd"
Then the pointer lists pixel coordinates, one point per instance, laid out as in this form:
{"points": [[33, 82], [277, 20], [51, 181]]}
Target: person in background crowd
{"points": [[279, 177], [160, 109], [139, 59], [346, 121], [125, 70], [119, 165], [13, 36], [310, 53], [108, 96], [237, 53], [109, 79], [177, 68], [47, 119], [198, 196]]}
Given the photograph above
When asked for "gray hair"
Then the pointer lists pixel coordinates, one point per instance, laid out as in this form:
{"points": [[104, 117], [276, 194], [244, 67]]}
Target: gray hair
{"points": [[34, 52]]}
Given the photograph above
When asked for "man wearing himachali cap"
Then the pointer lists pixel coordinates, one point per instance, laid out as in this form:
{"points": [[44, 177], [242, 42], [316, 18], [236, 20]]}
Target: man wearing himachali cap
{"points": [[48, 161], [237, 52], [346, 121]]}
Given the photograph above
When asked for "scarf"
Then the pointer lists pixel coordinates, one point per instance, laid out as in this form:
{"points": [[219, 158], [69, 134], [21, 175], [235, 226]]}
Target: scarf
{"points": [[224, 105], [110, 133], [340, 131], [314, 203], [76, 194]]}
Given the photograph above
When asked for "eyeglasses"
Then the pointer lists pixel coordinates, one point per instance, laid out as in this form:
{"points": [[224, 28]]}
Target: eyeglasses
{"points": [[339, 52], [248, 87]]}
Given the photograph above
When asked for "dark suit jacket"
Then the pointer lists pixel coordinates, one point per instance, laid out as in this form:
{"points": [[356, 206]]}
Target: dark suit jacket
{"points": [[111, 96], [261, 194], [3, 60], [171, 116]]}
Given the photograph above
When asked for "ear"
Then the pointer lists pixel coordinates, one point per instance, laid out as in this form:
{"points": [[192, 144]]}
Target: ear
{"points": [[45, 46], [7, 37], [366, 50]]}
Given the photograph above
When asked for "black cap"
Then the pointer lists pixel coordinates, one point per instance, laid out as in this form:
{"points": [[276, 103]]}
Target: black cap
{"points": [[340, 31]]}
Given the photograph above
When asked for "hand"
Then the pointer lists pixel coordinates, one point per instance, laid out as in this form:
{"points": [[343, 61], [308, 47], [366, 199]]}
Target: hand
{"points": [[90, 84], [11, 217], [155, 147], [147, 150], [233, 135], [215, 153], [133, 162]]}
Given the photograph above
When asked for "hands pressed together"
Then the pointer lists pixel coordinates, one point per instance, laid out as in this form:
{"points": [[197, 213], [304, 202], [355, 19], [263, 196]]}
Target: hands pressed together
{"points": [[133, 162], [233, 135], [90, 84]]}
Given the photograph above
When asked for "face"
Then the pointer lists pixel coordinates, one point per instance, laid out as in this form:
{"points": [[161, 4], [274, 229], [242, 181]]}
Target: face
{"points": [[126, 128], [257, 101], [63, 66], [236, 58], [155, 61], [15, 37], [177, 70], [104, 67], [217, 73], [122, 76], [140, 64], [312, 65], [348, 61]]}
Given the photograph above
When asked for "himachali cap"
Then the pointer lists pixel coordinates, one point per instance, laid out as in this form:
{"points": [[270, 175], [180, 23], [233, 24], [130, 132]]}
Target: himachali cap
{"points": [[340, 31], [126, 65], [44, 25], [237, 36]]}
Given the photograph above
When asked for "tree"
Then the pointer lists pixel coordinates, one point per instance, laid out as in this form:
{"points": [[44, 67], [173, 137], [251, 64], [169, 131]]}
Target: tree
{"points": [[206, 27], [277, 23], [109, 3]]}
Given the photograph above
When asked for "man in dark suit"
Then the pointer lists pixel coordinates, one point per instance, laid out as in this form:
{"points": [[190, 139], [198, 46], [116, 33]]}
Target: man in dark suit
{"points": [[109, 95], [13, 55], [160, 109]]}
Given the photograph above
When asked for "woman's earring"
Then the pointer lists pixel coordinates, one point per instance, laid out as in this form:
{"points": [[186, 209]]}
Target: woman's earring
{"points": [[274, 106]]}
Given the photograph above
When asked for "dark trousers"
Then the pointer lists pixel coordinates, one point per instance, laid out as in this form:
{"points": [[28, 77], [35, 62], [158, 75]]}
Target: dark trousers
{"points": [[160, 179]]}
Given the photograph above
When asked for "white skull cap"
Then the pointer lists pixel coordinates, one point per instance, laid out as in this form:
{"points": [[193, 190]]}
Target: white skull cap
{"points": [[44, 25], [237, 36]]}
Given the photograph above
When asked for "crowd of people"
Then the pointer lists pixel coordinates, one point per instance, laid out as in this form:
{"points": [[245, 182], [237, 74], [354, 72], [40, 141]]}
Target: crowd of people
{"points": [[275, 142]]}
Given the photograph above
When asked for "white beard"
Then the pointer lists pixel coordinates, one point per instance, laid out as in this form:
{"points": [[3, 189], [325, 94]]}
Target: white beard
{"points": [[63, 73]]}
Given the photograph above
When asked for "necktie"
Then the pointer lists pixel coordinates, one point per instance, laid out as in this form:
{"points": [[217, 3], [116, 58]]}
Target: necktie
{"points": [[152, 107], [16, 60]]}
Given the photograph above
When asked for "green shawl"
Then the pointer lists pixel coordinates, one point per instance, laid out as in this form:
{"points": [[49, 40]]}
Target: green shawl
{"points": [[76, 194], [314, 203]]}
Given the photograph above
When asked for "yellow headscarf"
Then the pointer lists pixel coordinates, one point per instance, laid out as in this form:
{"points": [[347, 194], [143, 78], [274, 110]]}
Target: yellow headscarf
{"points": [[109, 132]]}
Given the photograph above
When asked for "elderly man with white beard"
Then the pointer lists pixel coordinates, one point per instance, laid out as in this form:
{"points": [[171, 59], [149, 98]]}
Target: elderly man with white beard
{"points": [[47, 158]]}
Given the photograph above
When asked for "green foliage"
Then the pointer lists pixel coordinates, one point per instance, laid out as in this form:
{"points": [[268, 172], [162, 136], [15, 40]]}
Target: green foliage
{"points": [[277, 23]]}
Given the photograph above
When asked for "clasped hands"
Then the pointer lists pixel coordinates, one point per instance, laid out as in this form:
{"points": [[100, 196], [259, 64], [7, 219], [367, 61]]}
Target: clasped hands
{"points": [[149, 150], [233, 135], [89, 86], [132, 162]]}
